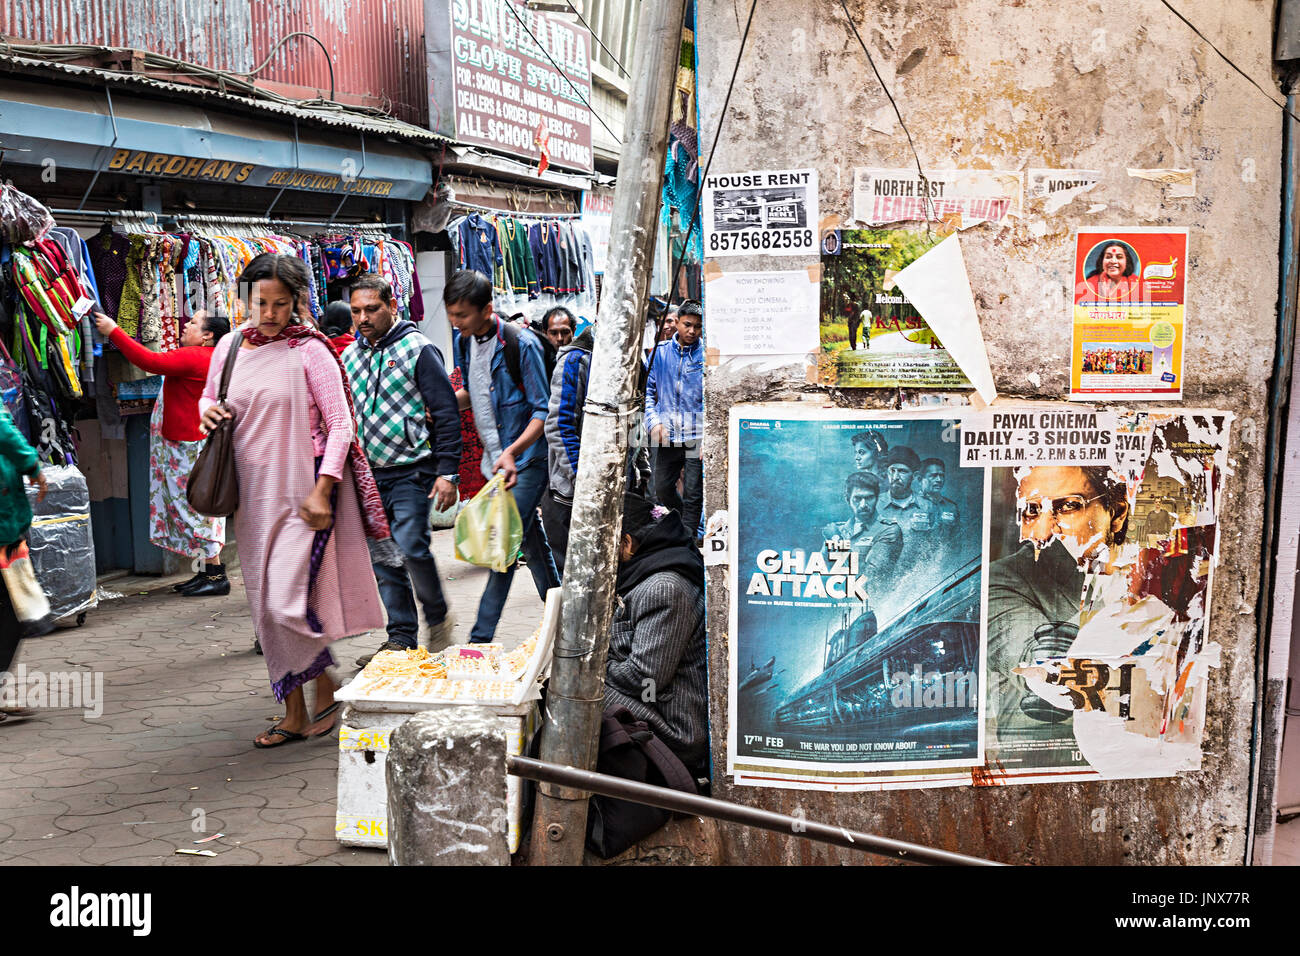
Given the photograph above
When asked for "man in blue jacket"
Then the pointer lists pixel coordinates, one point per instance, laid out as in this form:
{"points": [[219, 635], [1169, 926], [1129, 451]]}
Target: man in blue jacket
{"points": [[506, 386], [409, 425], [674, 415]]}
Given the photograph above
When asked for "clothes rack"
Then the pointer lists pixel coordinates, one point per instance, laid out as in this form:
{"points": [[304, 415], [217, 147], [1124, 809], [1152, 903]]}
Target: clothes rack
{"points": [[206, 219]]}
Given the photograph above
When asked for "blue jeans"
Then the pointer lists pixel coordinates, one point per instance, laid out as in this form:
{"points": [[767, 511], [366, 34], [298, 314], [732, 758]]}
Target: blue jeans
{"points": [[405, 492], [528, 491]]}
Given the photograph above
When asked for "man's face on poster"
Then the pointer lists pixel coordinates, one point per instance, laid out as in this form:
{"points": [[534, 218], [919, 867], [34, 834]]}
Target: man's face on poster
{"points": [[1059, 500], [900, 480], [932, 481], [862, 503]]}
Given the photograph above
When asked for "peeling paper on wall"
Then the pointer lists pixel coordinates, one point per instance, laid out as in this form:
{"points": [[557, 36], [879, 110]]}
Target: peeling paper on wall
{"points": [[1181, 182], [962, 198], [1055, 188], [716, 537], [1134, 676], [939, 289]]}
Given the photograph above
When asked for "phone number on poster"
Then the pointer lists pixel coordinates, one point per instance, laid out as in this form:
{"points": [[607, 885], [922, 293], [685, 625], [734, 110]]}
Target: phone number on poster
{"points": [[767, 239]]}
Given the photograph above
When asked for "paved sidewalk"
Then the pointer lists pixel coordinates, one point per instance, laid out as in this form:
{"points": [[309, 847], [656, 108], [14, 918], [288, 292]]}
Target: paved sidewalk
{"points": [[171, 758]]}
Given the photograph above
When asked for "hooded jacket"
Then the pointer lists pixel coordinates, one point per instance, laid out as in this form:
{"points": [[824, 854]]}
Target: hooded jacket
{"points": [[406, 408], [657, 641], [564, 416]]}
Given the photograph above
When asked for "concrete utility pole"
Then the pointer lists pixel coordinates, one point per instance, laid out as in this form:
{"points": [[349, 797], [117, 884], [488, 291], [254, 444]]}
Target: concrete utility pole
{"points": [[573, 703]]}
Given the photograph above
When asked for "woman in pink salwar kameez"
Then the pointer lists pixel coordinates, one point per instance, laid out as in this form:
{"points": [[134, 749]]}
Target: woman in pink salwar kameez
{"points": [[307, 500]]}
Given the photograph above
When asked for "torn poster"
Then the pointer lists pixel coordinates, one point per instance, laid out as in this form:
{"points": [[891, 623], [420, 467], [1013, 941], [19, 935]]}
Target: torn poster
{"points": [[964, 197], [716, 539], [856, 603], [1181, 182], [1055, 188], [939, 287], [1099, 591], [872, 336], [1098, 607], [768, 212], [1130, 294], [762, 313]]}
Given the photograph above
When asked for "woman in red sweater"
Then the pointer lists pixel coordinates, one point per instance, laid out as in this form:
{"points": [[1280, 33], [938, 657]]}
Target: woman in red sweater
{"points": [[175, 443]]}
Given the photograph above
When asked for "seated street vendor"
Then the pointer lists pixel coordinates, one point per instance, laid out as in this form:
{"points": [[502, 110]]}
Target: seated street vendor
{"points": [[657, 655]]}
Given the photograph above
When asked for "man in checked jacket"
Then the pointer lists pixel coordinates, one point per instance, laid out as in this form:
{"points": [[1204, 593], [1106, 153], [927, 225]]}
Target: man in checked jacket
{"points": [[409, 425]]}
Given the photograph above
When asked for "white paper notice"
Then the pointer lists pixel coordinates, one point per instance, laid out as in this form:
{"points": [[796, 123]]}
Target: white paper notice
{"points": [[939, 288], [765, 213], [715, 540], [1057, 187], [762, 313]]}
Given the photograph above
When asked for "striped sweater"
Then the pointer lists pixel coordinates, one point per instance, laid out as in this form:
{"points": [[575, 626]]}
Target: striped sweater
{"points": [[658, 663]]}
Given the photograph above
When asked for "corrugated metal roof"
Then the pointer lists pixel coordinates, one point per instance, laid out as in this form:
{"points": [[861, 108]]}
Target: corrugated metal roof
{"points": [[325, 115], [376, 48]]}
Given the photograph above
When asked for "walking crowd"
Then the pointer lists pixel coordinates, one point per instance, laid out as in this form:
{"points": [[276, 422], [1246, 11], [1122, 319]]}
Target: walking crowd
{"points": [[346, 432]]}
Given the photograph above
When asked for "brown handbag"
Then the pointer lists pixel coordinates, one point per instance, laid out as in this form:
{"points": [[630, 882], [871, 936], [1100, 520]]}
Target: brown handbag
{"points": [[213, 488]]}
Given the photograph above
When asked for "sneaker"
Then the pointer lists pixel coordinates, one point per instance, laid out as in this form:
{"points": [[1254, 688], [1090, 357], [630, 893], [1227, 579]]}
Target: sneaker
{"points": [[440, 634], [386, 646]]}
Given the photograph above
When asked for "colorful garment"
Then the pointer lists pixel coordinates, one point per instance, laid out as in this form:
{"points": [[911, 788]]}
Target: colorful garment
{"points": [[173, 524]]}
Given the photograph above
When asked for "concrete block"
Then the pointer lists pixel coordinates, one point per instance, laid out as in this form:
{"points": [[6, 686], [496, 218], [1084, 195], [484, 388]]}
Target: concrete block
{"points": [[447, 790]]}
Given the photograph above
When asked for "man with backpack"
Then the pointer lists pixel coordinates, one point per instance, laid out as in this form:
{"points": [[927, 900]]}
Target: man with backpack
{"points": [[506, 386], [563, 439], [409, 426]]}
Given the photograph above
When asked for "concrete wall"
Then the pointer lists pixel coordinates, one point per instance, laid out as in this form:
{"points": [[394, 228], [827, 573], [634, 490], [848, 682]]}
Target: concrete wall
{"points": [[1013, 84]]}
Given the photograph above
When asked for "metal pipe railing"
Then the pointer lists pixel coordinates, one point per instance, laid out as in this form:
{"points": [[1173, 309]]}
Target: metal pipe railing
{"points": [[697, 805]]}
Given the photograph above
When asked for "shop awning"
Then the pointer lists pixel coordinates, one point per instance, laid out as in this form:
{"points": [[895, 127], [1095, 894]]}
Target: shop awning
{"points": [[76, 127]]}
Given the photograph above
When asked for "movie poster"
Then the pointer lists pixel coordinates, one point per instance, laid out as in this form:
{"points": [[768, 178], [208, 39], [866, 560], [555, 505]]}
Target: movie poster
{"points": [[856, 576], [1130, 294], [1099, 594], [871, 335], [1102, 543]]}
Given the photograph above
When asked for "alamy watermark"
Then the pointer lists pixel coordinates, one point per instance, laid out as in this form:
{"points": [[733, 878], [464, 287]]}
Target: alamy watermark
{"points": [[74, 690]]}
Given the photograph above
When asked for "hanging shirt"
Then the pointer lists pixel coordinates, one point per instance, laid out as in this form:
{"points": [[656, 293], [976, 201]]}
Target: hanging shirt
{"points": [[519, 259], [546, 256], [479, 248]]}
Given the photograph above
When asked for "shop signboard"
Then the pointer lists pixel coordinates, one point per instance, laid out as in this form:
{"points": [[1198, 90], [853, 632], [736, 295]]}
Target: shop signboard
{"points": [[516, 72]]}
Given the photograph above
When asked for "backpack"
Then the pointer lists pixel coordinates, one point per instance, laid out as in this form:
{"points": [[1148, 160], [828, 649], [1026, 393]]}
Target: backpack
{"points": [[630, 749], [510, 336]]}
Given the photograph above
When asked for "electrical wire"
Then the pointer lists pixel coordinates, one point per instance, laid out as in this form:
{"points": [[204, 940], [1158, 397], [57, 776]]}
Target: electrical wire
{"points": [[1223, 56], [329, 60], [713, 152], [596, 37], [514, 13], [925, 183]]}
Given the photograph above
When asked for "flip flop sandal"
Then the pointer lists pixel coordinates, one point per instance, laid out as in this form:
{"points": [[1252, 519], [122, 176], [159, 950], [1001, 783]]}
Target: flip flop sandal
{"points": [[288, 735], [326, 712], [322, 715]]}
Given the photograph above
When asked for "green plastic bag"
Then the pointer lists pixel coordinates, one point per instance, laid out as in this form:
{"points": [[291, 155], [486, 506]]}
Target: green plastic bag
{"points": [[488, 529]]}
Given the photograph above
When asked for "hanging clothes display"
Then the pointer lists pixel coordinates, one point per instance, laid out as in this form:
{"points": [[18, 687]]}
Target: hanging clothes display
{"points": [[535, 261]]}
